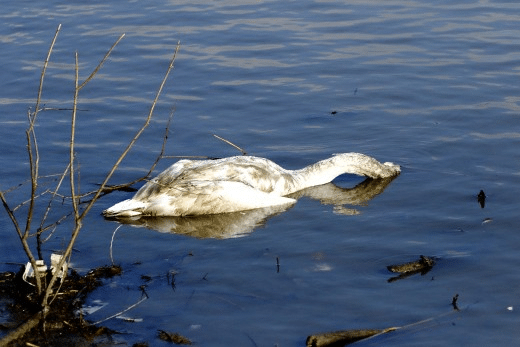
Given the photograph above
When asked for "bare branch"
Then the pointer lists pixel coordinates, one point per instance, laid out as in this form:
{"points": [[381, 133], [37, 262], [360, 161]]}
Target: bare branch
{"points": [[112, 242], [137, 135], [109, 189], [101, 62], [44, 69], [34, 158], [23, 239], [11, 215], [72, 136], [189, 157], [143, 298], [54, 193], [79, 217]]}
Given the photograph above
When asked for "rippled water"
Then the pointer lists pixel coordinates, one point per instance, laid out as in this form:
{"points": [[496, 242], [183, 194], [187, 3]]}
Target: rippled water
{"points": [[430, 86]]}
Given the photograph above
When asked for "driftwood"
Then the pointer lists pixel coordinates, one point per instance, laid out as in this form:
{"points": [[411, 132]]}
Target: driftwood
{"points": [[343, 337], [174, 337], [415, 266], [423, 265]]}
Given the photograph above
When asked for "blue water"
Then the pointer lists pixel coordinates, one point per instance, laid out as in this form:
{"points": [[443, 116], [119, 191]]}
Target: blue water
{"points": [[430, 86]]}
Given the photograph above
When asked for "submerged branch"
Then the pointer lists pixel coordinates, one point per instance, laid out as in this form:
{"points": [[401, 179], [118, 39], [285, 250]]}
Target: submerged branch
{"points": [[143, 298], [23, 329]]}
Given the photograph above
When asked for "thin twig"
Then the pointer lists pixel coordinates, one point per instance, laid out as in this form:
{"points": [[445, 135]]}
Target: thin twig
{"points": [[165, 139], [11, 215], [412, 324], [72, 136], [54, 193], [34, 159], [78, 217], [78, 220], [231, 144], [54, 226], [60, 109], [44, 69], [160, 156], [28, 201], [112, 242], [23, 239], [137, 135], [101, 62], [33, 165], [32, 145], [189, 157], [145, 296]]}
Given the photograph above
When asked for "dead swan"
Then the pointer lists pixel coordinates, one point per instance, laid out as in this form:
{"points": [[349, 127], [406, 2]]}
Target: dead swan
{"points": [[199, 187]]}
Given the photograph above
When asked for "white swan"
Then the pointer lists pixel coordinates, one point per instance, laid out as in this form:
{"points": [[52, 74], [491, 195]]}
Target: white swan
{"points": [[200, 187]]}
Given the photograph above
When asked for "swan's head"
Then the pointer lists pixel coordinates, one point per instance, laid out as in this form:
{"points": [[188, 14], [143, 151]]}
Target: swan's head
{"points": [[365, 165], [393, 167]]}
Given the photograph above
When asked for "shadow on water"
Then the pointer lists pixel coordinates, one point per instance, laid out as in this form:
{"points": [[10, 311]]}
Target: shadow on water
{"points": [[238, 224]]}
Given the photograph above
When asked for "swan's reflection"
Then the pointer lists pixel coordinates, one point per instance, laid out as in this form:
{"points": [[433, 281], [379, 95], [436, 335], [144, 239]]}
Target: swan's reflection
{"points": [[237, 224], [360, 195]]}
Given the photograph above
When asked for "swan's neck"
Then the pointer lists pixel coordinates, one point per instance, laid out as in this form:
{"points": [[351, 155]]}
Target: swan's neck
{"points": [[352, 163]]}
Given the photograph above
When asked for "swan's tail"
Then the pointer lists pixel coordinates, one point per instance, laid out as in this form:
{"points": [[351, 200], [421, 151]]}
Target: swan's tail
{"points": [[126, 208]]}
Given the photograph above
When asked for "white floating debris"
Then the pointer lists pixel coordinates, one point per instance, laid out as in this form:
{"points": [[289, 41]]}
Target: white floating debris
{"points": [[487, 220], [42, 268], [29, 271], [55, 260], [510, 308], [322, 267], [89, 309], [130, 319]]}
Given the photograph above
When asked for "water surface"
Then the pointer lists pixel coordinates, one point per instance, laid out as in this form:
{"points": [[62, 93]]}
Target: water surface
{"points": [[430, 86]]}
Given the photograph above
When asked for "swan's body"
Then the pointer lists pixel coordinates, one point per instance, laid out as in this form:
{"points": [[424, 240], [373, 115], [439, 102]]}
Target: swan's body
{"points": [[199, 187]]}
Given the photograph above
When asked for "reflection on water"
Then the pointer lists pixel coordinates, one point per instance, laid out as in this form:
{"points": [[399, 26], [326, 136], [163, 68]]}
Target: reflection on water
{"points": [[361, 194], [218, 226], [238, 224]]}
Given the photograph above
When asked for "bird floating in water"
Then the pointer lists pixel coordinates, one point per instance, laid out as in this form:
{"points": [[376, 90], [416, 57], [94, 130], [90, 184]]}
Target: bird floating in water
{"points": [[202, 187]]}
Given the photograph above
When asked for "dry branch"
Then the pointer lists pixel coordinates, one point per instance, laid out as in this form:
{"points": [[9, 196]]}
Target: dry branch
{"points": [[231, 144], [49, 293]]}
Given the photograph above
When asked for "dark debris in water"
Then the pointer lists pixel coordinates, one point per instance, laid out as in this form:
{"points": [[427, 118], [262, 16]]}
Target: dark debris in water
{"points": [[343, 337], [481, 198], [423, 265], [61, 326], [454, 302], [105, 271], [174, 337]]}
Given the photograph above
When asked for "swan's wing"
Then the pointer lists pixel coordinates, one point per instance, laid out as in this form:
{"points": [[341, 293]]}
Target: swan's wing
{"points": [[211, 197]]}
